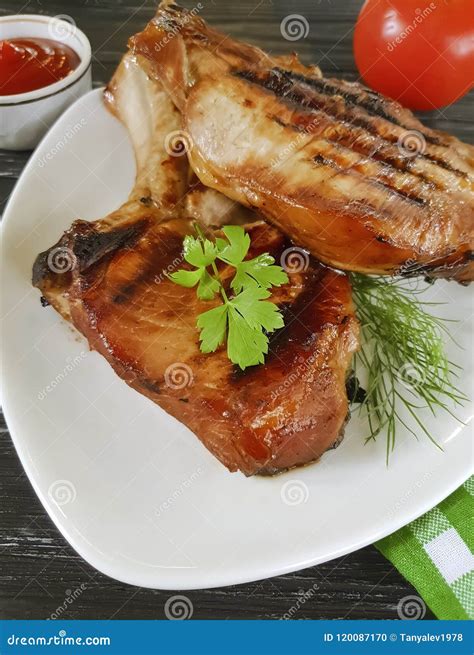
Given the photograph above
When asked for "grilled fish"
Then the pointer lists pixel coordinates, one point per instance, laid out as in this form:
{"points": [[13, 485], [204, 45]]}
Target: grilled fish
{"points": [[116, 292], [345, 172]]}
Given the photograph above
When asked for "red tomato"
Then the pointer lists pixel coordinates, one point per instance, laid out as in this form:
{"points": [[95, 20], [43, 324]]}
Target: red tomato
{"points": [[418, 52]]}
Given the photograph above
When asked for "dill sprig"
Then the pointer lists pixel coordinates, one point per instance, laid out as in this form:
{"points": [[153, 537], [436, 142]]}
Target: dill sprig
{"points": [[402, 352]]}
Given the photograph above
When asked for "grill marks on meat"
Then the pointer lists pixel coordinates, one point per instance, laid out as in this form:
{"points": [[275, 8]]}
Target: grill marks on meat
{"points": [[291, 88], [324, 188], [327, 161], [349, 129], [263, 420]]}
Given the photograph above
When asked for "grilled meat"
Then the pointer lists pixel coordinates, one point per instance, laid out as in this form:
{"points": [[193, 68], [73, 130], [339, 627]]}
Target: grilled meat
{"points": [[117, 293], [345, 172]]}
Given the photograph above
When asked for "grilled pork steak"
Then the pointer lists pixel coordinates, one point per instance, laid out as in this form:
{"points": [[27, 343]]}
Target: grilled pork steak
{"points": [[345, 172], [116, 292]]}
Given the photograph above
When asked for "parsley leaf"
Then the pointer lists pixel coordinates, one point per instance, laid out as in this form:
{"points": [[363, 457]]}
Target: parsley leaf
{"points": [[246, 318], [213, 327], [258, 272], [246, 346], [201, 253], [207, 285], [249, 315], [257, 313], [186, 278], [236, 250]]}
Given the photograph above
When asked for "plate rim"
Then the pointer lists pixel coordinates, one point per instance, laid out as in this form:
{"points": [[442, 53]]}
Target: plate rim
{"points": [[199, 578], [117, 572]]}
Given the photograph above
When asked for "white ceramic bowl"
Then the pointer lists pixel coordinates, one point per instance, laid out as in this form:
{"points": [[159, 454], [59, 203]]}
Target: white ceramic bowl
{"points": [[26, 117]]}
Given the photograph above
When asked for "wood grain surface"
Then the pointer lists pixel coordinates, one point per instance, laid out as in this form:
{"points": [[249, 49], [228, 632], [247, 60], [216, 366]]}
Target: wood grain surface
{"points": [[39, 570]]}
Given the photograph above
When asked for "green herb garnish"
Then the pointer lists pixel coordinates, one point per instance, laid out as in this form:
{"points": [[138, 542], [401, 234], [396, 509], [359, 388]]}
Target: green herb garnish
{"points": [[245, 317], [403, 355], [402, 345]]}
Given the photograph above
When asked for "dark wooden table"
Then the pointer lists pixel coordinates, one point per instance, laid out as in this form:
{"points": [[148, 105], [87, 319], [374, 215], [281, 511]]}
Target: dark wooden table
{"points": [[39, 570]]}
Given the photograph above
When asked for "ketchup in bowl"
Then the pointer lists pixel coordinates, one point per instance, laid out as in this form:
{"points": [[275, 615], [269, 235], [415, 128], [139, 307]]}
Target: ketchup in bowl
{"points": [[31, 63]]}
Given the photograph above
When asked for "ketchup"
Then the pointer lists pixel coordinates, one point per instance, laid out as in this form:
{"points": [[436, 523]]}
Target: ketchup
{"points": [[29, 64]]}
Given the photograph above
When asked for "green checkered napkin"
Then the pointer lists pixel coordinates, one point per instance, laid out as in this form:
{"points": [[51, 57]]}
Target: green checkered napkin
{"points": [[435, 554]]}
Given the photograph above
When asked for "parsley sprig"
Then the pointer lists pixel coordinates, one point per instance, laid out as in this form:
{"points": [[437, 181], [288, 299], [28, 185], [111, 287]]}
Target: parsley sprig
{"points": [[245, 317]]}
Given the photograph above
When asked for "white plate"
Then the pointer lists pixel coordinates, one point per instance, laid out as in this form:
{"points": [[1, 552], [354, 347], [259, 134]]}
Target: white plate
{"points": [[133, 490]]}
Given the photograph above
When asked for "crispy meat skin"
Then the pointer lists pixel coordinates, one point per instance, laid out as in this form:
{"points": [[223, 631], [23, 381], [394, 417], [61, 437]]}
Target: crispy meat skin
{"points": [[266, 419], [327, 161]]}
